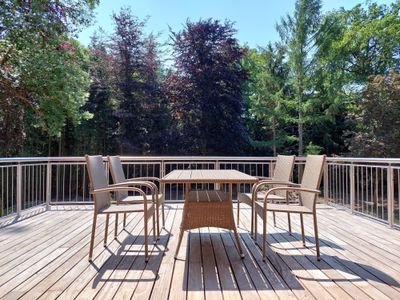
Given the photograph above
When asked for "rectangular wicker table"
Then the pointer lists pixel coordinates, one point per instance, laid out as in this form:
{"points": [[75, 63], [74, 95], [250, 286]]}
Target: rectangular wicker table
{"points": [[208, 208]]}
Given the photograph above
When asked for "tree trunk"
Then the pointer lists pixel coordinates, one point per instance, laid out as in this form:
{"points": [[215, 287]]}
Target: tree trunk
{"points": [[274, 136], [300, 132]]}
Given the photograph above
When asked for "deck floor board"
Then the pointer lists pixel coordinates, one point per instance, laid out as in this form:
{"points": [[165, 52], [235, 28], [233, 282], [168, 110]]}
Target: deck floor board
{"points": [[45, 257]]}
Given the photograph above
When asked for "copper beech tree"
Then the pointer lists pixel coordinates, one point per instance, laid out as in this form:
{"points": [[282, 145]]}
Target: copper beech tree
{"points": [[205, 88]]}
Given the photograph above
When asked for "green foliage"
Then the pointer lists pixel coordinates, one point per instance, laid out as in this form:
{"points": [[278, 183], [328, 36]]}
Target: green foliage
{"points": [[330, 85], [313, 149], [298, 34], [205, 89], [377, 117], [267, 93], [42, 67]]}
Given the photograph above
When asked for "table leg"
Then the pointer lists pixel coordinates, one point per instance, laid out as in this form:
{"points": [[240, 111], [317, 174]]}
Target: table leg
{"points": [[239, 244], [182, 227]]}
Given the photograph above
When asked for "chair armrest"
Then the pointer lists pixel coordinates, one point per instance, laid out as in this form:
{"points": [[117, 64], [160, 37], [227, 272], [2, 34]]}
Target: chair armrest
{"points": [[289, 188], [120, 189], [144, 178], [149, 184], [262, 183]]}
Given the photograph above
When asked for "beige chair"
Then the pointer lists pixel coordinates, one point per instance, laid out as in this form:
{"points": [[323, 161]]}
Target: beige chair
{"points": [[307, 198], [282, 175], [118, 177], [101, 191]]}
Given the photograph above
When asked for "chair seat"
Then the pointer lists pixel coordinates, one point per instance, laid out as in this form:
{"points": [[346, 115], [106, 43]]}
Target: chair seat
{"points": [[126, 208], [139, 199], [246, 198], [283, 208]]}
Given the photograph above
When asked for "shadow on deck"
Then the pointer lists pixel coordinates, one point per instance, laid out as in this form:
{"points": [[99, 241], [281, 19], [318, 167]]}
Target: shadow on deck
{"points": [[45, 256]]}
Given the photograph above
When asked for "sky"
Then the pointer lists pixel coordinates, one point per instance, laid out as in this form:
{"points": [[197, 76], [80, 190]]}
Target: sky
{"points": [[254, 19]]}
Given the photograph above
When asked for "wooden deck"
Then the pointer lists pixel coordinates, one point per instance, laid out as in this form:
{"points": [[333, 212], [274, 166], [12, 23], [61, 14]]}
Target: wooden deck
{"points": [[45, 256]]}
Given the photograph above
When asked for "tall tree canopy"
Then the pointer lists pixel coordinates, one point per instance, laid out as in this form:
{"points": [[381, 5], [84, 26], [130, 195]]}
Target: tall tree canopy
{"points": [[298, 33], [205, 88], [42, 68], [267, 94]]}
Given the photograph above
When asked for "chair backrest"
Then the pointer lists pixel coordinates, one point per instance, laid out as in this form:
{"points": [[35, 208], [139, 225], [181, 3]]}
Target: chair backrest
{"points": [[283, 170], [117, 173], [312, 179], [98, 179]]}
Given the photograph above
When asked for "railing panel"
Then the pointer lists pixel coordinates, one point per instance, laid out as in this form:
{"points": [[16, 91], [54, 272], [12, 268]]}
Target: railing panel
{"points": [[368, 186], [8, 192]]}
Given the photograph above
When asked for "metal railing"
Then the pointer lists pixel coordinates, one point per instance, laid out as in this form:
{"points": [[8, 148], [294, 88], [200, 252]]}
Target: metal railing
{"points": [[368, 186]]}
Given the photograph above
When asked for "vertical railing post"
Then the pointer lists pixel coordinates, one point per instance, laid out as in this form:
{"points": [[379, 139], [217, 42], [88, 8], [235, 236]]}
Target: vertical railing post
{"points": [[217, 185], [390, 195], [48, 186], [352, 188], [326, 183], [19, 189]]}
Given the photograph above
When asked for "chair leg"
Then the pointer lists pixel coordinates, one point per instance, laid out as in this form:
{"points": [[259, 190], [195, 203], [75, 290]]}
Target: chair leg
{"points": [[273, 215], [179, 243], [252, 222], [238, 213], [302, 230], [116, 226], [146, 247], [155, 233], [156, 216], [316, 235], [163, 215], [124, 220], [255, 226], [106, 230], [264, 237], [238, 242], [289, 223], [92, 237]]}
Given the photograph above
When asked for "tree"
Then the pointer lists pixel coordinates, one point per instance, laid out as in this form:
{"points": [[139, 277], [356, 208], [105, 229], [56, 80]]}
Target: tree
{"points": [[98, 134], [377, 117], [267, 94], [370, 43], [205, 88], [298, 33], [352, 45], [43, 69]]}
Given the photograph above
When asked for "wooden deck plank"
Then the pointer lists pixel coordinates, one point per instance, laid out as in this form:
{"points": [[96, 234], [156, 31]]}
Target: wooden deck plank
{"points": [[124, 278], [162, 285], [229, 286], [63, 275], [243, 279], [366, 269], [344, 289], [77, 274], [36, 285], [31, 231], [195, 285], [212, 286], [91, 279], [45, 257], [375, 285], [25, 251], [342, 270], [179, 279], [150, 274]]}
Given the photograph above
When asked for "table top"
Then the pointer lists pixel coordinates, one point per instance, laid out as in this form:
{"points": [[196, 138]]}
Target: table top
{"points": [[208, 176]]}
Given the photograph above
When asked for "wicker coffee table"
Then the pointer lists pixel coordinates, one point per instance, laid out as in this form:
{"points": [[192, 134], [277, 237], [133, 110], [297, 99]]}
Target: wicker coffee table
{"points": [[208, 208]]}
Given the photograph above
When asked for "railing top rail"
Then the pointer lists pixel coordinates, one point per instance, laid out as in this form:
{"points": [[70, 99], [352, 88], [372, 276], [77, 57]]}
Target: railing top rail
{"points": [[138, 158], [196, 158]]}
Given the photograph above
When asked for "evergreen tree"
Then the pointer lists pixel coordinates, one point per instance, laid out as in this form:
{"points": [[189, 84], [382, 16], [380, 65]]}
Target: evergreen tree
{"points": [[298, 33]]}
